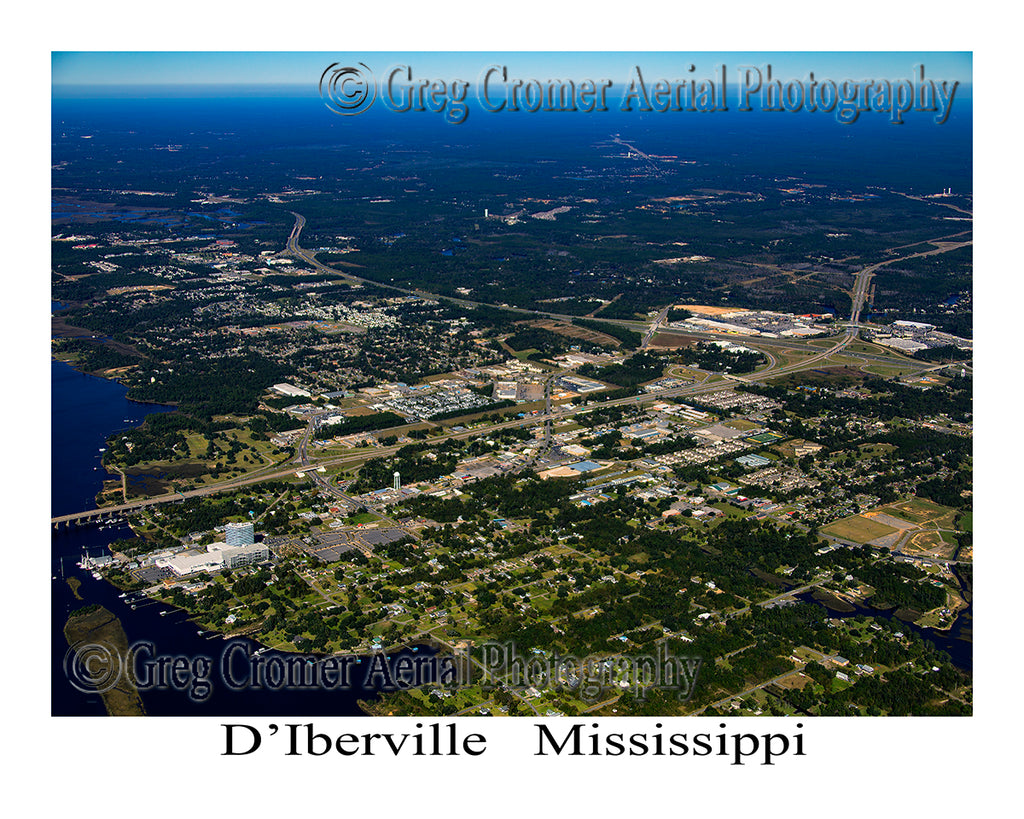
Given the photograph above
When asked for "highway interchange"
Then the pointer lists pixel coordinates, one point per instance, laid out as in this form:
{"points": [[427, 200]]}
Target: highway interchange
{"points": [[302, 461]]}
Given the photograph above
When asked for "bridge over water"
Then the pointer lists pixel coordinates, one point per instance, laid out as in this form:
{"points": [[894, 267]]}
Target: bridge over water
{"points": [[109, 512]]}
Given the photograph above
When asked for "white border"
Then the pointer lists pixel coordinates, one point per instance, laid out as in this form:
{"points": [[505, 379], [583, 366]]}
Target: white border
{"points": [[884, 767]]}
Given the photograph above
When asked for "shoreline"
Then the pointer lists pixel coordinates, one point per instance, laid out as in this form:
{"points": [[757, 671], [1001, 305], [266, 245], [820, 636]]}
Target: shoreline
{"points": [[99, 374], [87, 630]]}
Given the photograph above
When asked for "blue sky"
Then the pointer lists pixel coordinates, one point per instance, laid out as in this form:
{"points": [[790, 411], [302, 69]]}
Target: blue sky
{"points": [[100, 71]]}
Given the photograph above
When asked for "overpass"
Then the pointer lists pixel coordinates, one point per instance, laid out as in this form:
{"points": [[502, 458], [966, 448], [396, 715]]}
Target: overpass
{"points": [[301, 462]]}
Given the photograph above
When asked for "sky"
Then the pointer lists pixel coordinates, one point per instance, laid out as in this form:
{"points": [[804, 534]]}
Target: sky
{"points": [[103, 72]]}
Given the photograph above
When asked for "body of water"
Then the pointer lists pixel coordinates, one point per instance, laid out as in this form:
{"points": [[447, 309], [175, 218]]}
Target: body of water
{"points": [[956, 642], [86, 411]]}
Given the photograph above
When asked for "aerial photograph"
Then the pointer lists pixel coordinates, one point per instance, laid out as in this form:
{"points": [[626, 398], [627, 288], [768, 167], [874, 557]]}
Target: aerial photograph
{"points": [[588, 385]]}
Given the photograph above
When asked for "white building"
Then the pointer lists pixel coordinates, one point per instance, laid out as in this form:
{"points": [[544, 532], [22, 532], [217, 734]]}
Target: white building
{"points": [[913, 327], [291, 390], [234, 557], [216, 557], [905, 345], [183, 564]]}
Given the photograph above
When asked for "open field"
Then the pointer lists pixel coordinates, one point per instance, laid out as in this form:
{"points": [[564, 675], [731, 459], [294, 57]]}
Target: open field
{"points": [[866, 347], [797, 680], [357, 411], [824, 376], [690, 373], [741, 424], [931, 544], [573, 331], [919, 510], [889, 370], [840, 360], [673, 340], [788, 357], [858, 529]]}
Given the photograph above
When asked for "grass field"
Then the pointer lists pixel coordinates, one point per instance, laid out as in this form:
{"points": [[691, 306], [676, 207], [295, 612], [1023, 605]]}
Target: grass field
{"points": [[362, 517], [840, 360], [865, 347], [858, 529], [824, 376], [919, 510], [685, 372], [741, 424], [523, 355], [887, 370], [573, 331], [794, 356]]}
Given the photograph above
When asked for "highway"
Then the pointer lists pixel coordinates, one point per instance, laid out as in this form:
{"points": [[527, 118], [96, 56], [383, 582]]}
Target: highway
{"points": [[302, 462], [618, 140], [655, 327], [858, 294]]}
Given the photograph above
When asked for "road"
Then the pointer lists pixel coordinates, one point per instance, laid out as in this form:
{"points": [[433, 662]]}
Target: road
{"points": [[618, 140], [655, 326], [860, 287], [302, 462]]}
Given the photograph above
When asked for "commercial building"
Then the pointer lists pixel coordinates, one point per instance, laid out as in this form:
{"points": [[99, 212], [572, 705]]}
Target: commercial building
{"points": [[753, 460], [913, 327], [290, 390], [187, 563], [240, 534], [216, 557], [236, 556]]}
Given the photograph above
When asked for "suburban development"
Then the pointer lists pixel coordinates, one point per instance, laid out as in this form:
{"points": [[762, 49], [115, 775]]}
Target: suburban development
{"points": [[625, 402]]}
